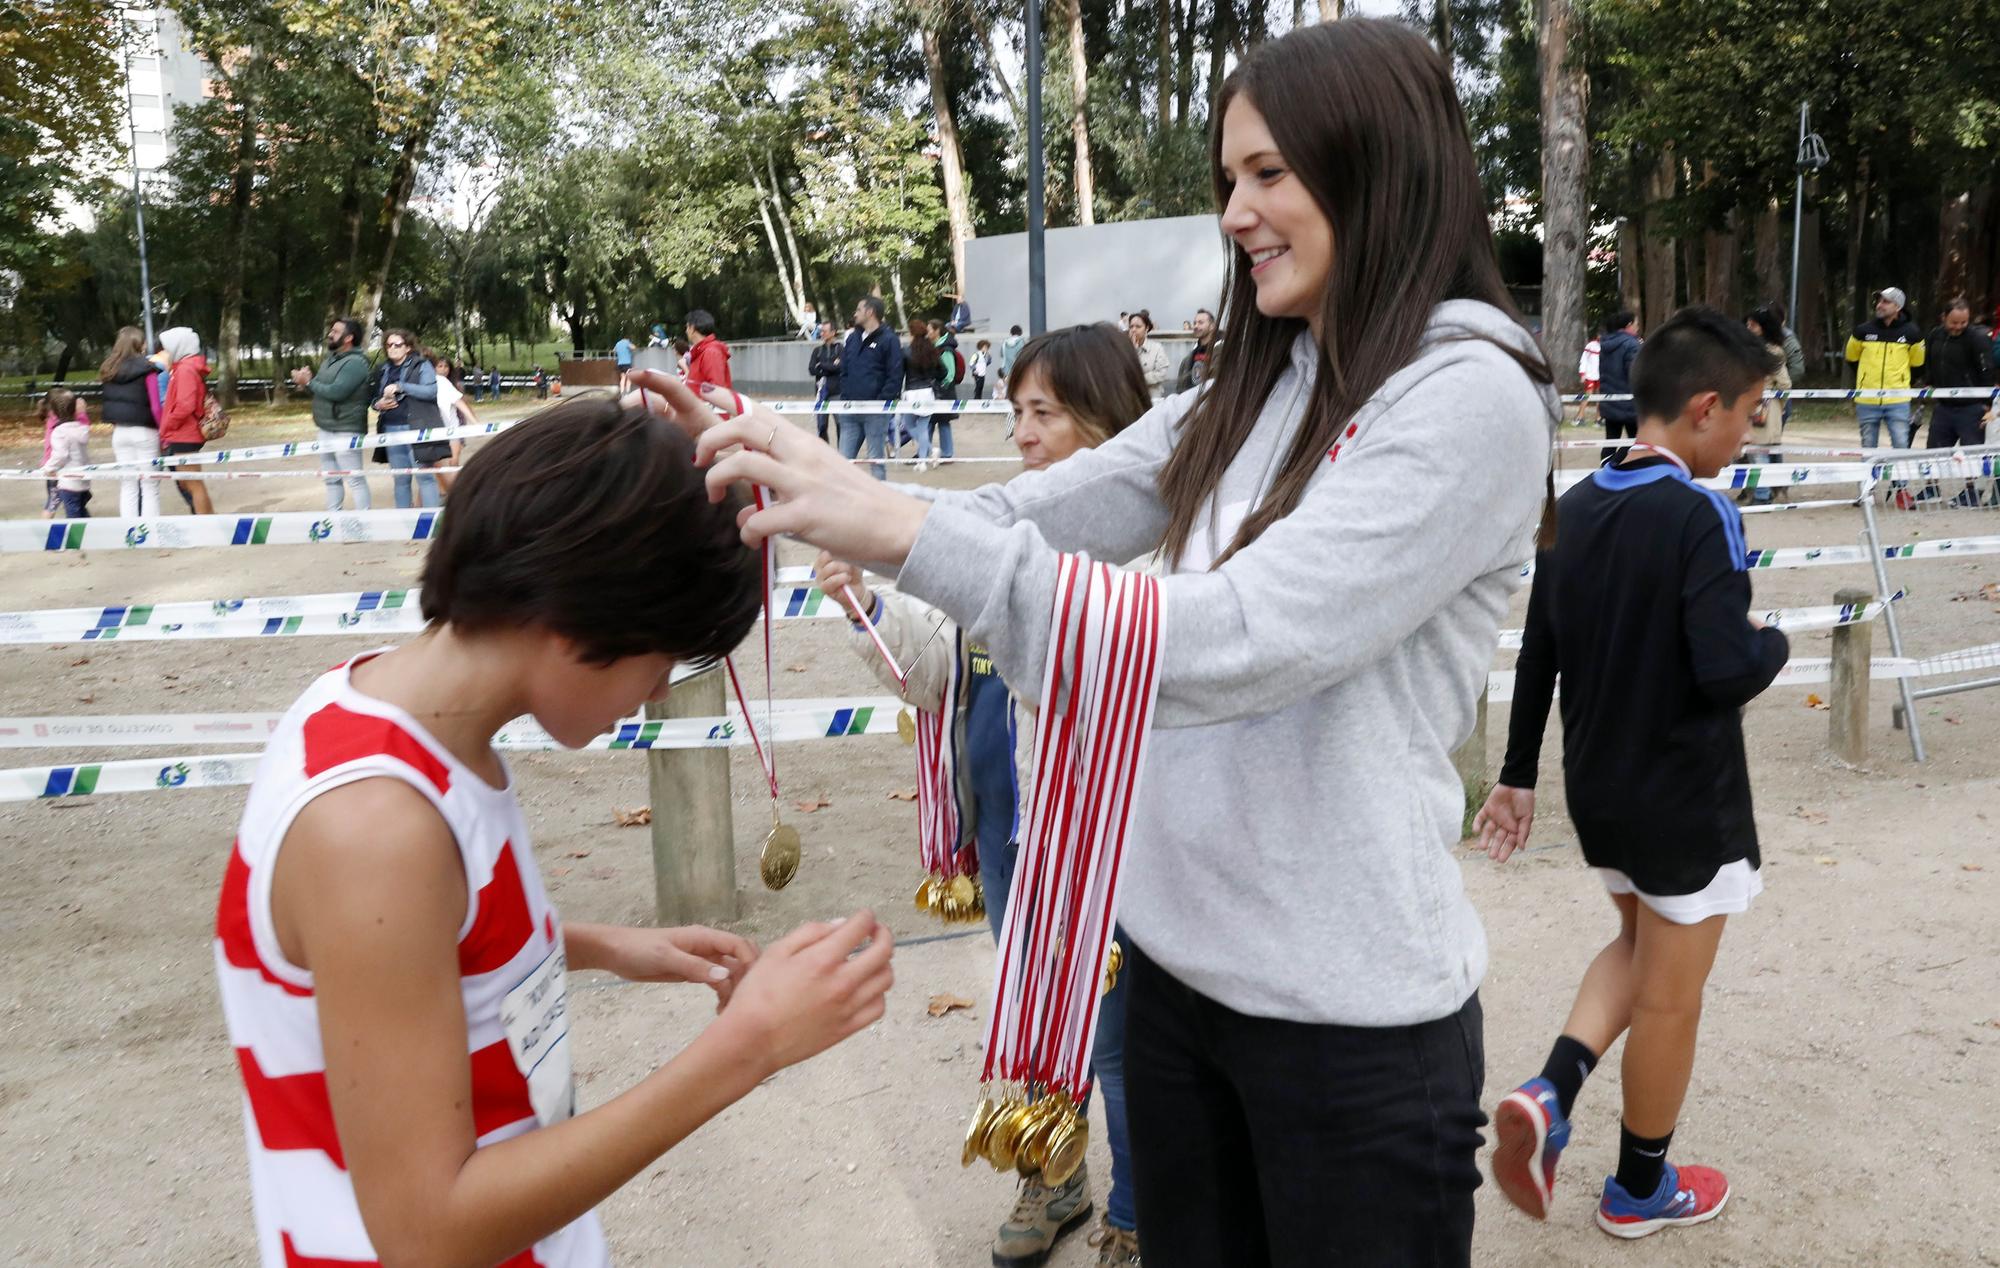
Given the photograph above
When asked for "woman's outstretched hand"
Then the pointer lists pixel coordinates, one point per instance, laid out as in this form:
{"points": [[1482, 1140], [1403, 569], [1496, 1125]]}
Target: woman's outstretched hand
{"points": [[816, 495]]}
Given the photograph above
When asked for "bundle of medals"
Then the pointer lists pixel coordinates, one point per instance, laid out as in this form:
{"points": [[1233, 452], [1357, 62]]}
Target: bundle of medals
{"points": [[951, 890], [1056, 952]]}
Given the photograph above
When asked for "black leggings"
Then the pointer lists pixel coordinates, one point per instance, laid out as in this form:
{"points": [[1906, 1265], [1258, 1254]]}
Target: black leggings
{"points": [[1257, 1141], [1616, 429]]}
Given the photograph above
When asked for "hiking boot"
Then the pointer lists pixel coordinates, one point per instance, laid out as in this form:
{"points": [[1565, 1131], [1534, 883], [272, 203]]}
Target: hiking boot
{"points": [[1041, 1217], [1116, 1247]]}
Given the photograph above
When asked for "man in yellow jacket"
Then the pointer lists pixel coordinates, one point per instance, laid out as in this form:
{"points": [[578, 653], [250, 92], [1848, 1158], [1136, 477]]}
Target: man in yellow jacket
{"points": [[1884, 350]]}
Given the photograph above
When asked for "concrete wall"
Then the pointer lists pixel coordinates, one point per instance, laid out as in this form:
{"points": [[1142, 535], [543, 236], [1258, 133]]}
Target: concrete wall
{"points": [[1168, 267]]}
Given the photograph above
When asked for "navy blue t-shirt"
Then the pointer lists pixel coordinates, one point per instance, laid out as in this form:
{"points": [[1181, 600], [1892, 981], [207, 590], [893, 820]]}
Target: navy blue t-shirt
{"points": [[989, 754]]}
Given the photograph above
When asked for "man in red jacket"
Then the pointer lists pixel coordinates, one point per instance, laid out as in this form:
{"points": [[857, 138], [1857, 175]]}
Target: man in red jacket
{"points": [[708, 357]]}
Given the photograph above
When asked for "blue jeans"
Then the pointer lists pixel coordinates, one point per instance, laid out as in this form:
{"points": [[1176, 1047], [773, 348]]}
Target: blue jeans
{"points": [[874, 428], [1871, 418], [1107, 1057], [919, 427], [427, 485]]}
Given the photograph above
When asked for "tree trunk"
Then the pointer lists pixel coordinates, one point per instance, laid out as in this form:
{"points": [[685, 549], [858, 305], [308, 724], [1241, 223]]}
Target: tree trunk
{"points": [[1079, 80], [1722, 254], [1298, 14], [1221, 24], [402, 183], [1660, 286], [1256, 24], [896, 289], [1631, 266], [1565, 187], [1767, 263], [788, 282], [1163, 74], [280, 385], [1693, 266], [229, 335], [1857, 227], [791, 238], [340, 293], [1954, 246], [1184, 61], [1330, 10], [985, 31], [957, 205], [1983, 255], [1441, 29]]}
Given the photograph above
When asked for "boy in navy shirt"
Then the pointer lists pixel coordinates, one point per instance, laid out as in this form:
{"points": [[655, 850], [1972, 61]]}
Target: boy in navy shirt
{"points": [[1641, 608]]}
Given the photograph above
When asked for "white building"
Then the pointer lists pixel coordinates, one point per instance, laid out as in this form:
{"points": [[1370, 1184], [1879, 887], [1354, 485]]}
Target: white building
{"points": [[162, 75]]}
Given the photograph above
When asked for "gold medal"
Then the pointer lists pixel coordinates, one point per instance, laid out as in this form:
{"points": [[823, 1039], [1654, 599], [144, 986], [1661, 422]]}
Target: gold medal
{"points": [[1113, 963], [975, 1132], [779, 860], [906, 726], [962, 894], [1066, 1150], [1035, 1142], [1005, 1138], [924, 893]]}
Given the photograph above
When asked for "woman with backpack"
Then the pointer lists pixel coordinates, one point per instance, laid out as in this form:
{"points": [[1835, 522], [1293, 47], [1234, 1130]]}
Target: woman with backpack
{"points": [[923, 377], [131, 404], [1342, 518], [184, 411]]}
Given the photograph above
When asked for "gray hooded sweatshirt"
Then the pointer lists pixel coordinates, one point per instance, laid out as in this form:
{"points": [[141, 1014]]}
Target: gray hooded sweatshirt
{"points": [[1291, 853]]}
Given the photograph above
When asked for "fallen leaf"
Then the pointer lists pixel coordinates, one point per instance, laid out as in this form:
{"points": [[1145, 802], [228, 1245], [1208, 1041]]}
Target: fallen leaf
{"points": [[579, 854], [1826, 861], [903, 794], [558, 871], [1990, 592], [1814, 702], [635, 818], [1812, 816], [795, 669], [85, 660], [602, 873], [942, 1004], [814, 806], [89, 699], [1971, 867], [1948, 718]]}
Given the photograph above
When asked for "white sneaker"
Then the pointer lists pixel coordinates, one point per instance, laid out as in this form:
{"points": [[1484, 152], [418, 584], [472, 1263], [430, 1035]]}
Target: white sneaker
{"points": [[923, 465]]}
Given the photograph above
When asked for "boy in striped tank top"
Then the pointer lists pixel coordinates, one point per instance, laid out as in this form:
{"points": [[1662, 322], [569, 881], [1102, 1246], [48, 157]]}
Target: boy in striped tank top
{"points": [[392, 971]]}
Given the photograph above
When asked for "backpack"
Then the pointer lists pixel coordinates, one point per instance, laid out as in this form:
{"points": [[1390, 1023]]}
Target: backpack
{"points": [[214, 421], [954, 366]]}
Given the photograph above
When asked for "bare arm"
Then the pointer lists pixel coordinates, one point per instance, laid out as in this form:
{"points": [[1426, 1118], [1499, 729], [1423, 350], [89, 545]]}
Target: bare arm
{"points": [[375, 918]]}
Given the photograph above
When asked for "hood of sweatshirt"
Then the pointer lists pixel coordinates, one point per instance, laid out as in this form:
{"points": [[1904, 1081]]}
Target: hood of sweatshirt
{"points": [[179, 342]]}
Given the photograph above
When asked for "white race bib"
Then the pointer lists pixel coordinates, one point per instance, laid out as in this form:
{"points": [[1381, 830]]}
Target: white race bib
{"points": [[536, 1015]]}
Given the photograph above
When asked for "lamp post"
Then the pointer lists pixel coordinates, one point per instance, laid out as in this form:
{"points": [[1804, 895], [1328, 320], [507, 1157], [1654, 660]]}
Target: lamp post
{"points": [[138, 194], [1038, 295], [1811, 157]]}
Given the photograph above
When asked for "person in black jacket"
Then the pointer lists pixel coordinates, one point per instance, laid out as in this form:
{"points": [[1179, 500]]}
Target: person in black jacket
{"points": [[825, 369], [1958, 355], [1641, 607], [871, 369], [131, 404], [1617, 349]]}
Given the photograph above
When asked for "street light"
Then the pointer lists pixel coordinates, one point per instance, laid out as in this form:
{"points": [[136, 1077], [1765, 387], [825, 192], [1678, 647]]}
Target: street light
{"points": [[1811, 157], [138, 197]]}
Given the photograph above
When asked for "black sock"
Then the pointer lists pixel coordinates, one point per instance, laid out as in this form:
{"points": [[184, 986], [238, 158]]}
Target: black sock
{"points": [[1642, 1161], [1569, 1064]]}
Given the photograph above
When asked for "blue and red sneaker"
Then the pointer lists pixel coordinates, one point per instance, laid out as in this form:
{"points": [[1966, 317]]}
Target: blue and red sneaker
{"points": [[1530, 1133], [1687, 1195]]}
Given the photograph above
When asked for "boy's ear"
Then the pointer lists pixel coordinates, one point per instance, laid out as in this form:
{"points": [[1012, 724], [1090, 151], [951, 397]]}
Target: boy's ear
{"points": [[1701, 407]]}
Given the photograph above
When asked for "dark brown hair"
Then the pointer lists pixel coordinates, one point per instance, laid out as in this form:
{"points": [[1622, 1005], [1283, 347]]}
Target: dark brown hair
{"points": [[1364, 113], [131, 342], [1093, 371], [590, 519], [62, 403], [923, 362]]}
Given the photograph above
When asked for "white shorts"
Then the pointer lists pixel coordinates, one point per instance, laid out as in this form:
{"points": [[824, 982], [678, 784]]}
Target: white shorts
{"points": [[1735, 884]]}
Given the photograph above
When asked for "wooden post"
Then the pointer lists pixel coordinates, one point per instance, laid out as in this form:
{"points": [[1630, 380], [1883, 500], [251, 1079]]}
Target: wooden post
{"points": [[694, 832], [1847, 721], [1469, 759]]}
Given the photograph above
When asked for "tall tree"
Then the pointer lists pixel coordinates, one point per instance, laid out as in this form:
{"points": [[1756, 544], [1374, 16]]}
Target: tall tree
{"points": [[1084, 177], [1565, 184]]}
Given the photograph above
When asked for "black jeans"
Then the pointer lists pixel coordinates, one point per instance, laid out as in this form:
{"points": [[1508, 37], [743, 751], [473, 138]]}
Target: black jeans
{"points": [[1257, 1141], [1616, 429]]}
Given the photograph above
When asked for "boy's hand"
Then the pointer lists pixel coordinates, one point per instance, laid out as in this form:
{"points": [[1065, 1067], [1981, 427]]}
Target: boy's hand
{"points": [[831, 575], [811, 989], [693, 953], [1503, 822]]}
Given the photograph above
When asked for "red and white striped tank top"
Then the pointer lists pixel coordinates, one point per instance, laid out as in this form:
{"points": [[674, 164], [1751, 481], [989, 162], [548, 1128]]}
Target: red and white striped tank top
{"points": [[510, 964]]}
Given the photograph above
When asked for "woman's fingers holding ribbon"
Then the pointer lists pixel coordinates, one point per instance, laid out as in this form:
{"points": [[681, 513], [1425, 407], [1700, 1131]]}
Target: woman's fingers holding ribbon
{"points": [[817, 496]]}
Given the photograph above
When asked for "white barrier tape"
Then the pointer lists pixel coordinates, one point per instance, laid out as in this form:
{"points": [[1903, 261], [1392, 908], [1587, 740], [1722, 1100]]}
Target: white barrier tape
{"points": [[1817, 669], [392, 612], [800, 721], [281, 528], [1775, 508], [1791, 620], [1832, 556], [891, 407], [288, 449], [1899, 394], [303, 473], [1761, 475]]}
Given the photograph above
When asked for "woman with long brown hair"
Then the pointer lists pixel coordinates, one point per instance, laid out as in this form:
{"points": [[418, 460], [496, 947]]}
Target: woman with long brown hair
{"points": [[131, 404], [1344, 509]]}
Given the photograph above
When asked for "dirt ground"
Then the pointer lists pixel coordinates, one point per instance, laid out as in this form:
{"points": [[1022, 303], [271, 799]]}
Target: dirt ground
{"points": [[1847, 1079]]}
